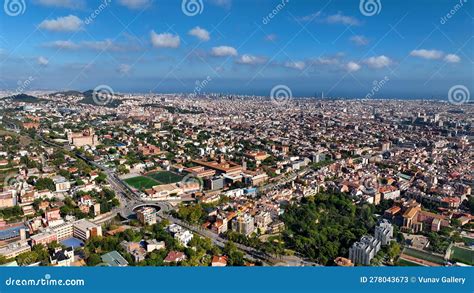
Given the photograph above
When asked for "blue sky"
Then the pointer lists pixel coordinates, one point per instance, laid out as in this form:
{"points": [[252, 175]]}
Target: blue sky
{"points": [[311, 46]]}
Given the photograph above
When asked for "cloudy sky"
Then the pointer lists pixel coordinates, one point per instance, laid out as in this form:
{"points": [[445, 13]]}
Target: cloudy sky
{"points": [[339, 47]]}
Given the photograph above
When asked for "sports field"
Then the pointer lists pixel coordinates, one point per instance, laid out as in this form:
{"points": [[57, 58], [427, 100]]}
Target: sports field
{"points": [[406, 263], [424, 255], [140, 182], [463, 255], [165, 177]]}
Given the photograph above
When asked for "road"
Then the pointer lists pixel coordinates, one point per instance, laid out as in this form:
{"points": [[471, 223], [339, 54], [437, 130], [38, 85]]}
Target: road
{"points": [[130, 200]]}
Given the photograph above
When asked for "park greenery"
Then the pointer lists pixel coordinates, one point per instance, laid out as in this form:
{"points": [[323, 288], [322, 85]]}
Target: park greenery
{"points": [[325, 226]]}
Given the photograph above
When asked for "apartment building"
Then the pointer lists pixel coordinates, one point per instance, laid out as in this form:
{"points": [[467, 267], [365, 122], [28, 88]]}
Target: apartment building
{"points": [[384, 232], [363, 251], [147, 216], [44, 238], [84, 229], [244, 224]]}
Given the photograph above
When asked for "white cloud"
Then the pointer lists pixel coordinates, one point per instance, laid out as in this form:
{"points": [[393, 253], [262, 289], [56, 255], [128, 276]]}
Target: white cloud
{"points": [[310, 17], [378, 61], [63, 45], [43, 61], [124, 69], [135, 4], [200, 33], [251, 60], [298, 65], [352, 66], [427, 54], [105, 45], [224, 51], [165, 40], [73, 4], [222, 3], [327, 60], [271, 37], [359, 40], [452, 58], [339, 18], [69, 23]]}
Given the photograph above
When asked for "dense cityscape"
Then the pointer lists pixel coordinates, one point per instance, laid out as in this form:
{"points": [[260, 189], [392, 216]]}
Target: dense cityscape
{"points": [[231, 180]]}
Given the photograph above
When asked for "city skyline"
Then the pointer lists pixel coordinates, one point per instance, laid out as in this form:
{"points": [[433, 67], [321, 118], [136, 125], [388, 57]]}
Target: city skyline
{"points": [[334, 47]]}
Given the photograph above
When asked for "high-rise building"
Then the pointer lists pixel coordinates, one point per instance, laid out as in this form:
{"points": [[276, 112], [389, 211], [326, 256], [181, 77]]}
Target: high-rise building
{"points": [[147, 216], [384, 232], [243, 224], [363, 251]]}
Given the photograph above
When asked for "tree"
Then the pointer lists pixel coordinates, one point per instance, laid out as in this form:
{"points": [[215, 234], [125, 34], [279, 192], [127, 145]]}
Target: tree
{"points": [[3, 260], [45, 183], [121, 169], [101, 178], [234, 256], [324, 227], [93, 260], [393, 250], [27, 258]]}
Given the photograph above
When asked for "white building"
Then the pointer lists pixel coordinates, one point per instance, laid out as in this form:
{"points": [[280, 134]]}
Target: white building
{"points": [[384, 232], [61, 184], [84, 229], [262, 220], [81, 229], [183, 236], [243, 224], [363, 251]]}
